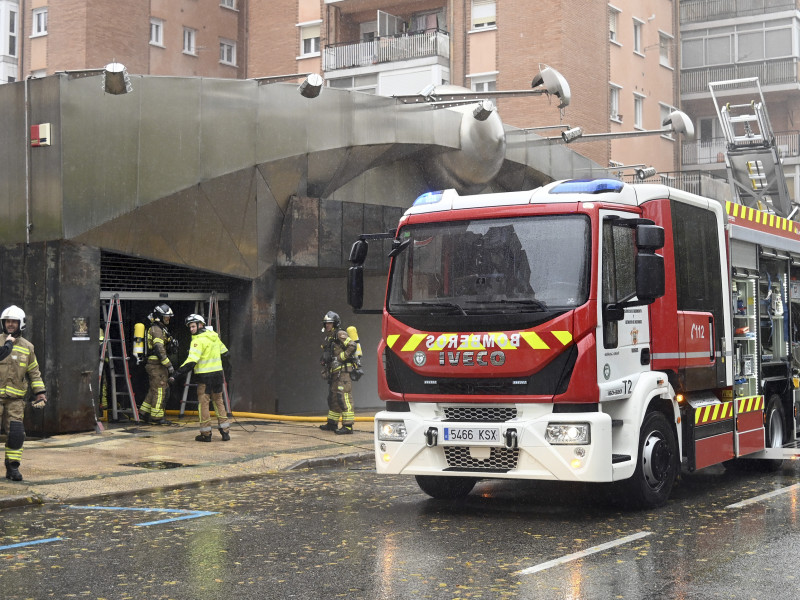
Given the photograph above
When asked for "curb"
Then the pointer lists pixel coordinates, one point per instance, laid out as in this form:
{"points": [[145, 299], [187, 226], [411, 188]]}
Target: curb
{"points": [[309, 463]]}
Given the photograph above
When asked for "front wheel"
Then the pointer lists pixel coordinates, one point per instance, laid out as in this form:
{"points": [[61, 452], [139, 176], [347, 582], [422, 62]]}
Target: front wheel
{"points": [[656, 467], [445, 488]]}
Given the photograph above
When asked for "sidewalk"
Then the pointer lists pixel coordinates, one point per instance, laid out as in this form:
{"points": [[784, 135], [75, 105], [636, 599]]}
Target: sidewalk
{"points": [[82, 467]]}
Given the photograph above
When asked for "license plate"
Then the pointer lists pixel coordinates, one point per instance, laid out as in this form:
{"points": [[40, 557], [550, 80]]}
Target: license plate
{"points": [[471, 435]]}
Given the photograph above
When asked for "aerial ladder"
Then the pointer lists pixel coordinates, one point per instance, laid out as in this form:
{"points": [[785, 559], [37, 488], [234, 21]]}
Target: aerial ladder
{"points": [[213, 321], [752, 157], [114, 353]]}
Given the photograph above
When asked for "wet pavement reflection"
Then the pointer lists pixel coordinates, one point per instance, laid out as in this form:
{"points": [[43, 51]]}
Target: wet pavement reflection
{"points": [[347, 533]]}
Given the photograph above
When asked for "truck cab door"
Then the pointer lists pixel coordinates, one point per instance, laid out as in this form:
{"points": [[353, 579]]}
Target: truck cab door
{"points": [[623, 344]]}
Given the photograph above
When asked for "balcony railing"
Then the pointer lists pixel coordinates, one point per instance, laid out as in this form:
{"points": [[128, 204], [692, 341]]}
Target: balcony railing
{"points": [[395, 48], [713, 150], [689, 181], [769, 72], [699, 11]]}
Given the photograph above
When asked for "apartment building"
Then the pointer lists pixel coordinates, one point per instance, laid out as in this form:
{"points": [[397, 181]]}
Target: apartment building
{"points": [[622, 78], [9, 40], [740, 39], [159, 37]]}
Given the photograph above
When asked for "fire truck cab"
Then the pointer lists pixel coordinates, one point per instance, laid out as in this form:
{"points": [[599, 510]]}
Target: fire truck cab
{"points": [[587, 330]]}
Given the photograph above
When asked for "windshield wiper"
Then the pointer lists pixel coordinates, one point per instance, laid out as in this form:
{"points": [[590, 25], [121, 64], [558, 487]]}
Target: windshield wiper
{"points": [[529, 302], [439, 305]]}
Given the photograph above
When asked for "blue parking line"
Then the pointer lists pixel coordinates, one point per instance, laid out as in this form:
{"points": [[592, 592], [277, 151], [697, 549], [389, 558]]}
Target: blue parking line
{"points": [[186, 514], [33, 543]]}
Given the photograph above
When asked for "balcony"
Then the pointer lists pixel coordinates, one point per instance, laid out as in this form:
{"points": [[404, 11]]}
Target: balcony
{"points": [[700, 11], [713, 151], [769, 72], [388, 49]]}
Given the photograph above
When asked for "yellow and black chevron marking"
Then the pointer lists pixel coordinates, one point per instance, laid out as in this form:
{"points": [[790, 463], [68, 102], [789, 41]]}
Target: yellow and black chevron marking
{"points": [[756, 216], [537, 341], [712, 413], [750, 404]]}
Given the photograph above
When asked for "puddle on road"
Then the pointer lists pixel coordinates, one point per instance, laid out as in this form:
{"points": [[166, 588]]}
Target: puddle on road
{"points": [[155, 464]]}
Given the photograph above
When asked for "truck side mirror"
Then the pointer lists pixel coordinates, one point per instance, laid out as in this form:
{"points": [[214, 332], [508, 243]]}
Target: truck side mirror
{"points": [[358, 252], [649, 237], [355, 285], [649, 277]]}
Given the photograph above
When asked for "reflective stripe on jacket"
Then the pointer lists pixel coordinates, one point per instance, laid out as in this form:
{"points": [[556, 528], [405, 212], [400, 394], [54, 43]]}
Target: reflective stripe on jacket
{"points": [[157, 339], [19, 369], [206, 351]]}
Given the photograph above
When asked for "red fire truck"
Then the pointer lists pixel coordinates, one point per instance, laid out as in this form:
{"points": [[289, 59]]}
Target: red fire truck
{"points": [[587, 330]]}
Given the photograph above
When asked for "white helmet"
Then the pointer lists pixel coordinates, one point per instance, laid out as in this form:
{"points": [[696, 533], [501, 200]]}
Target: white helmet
{"points": [[13, 313]]}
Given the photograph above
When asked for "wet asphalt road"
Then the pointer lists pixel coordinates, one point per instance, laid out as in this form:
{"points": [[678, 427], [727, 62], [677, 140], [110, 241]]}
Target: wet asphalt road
{"points": [[347, 533]]}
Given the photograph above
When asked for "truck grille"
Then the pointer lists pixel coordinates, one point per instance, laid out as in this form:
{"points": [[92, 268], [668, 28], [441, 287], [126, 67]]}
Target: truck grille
{"points": [[482, 414], [500, 460]]}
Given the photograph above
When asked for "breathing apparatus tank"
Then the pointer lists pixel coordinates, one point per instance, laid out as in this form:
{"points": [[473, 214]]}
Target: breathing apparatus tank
{"points": [[352, 333], [138, 341], [357, 372]]}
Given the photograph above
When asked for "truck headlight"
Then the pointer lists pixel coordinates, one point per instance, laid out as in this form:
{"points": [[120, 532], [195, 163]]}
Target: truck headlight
{"points": [[568, 433], [392, 431]]}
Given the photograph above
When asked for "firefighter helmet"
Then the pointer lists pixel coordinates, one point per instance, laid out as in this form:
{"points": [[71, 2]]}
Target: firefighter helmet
{"points": [[161, 311], [331, 317], [194, 318], [13, 313]]}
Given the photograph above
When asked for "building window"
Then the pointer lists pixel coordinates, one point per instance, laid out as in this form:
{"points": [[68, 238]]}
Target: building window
{"points": [[228, 3], [637, 36], [189, 40], [484, 14], [638, 111], [309, 40], [613, 24], [157, 32], [39, 22], [665, 50], [12, 33], [227, 52], [613, 103], [486, 84]]}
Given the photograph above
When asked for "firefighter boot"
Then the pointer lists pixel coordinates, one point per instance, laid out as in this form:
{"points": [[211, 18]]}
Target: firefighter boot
{"points": [[345, 430], [225, 435], [144, 417], [202, 438], [12, 470], [329, 426]]}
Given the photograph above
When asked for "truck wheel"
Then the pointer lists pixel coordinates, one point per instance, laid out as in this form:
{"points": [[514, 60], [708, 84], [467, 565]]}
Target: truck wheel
{"points": [[657, 465], [774, 434], [445, 488]]}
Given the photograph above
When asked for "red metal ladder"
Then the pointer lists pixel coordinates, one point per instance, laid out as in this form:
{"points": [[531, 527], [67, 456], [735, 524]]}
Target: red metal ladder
{"points": [[115, 349]]}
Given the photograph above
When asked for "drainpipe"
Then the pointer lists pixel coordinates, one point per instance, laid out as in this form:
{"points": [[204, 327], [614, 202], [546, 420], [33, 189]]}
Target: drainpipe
{"points": [[27, 147]]}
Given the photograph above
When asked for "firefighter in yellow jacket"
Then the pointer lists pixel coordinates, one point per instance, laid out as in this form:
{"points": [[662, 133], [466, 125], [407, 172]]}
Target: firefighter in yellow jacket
{"points": [[158, 366], [337, 353], [208, 358], [18, 369]]}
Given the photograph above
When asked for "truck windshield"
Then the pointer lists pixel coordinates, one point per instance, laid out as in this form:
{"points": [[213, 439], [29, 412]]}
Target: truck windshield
{"points": [[492, 266]]}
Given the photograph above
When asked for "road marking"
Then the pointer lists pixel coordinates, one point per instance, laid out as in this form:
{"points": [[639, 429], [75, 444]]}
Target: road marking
{"points": [[582, 553], [34, 542], [763, 496], [187, 514]]}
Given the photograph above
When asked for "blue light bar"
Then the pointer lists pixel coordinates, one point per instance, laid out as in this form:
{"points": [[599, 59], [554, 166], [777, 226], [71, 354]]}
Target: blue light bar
{"points": [[588, 186], [428, 198]]}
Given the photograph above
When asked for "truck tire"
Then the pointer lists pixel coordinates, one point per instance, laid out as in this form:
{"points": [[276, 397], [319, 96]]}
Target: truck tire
{"points": [[774, 434], [445, 488], [656, 467]]}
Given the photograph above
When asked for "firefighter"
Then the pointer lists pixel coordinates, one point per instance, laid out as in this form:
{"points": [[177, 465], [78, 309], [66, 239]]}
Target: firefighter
{"points": [[209, 359], [158, 366], [18, 369], [337, 362]]}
